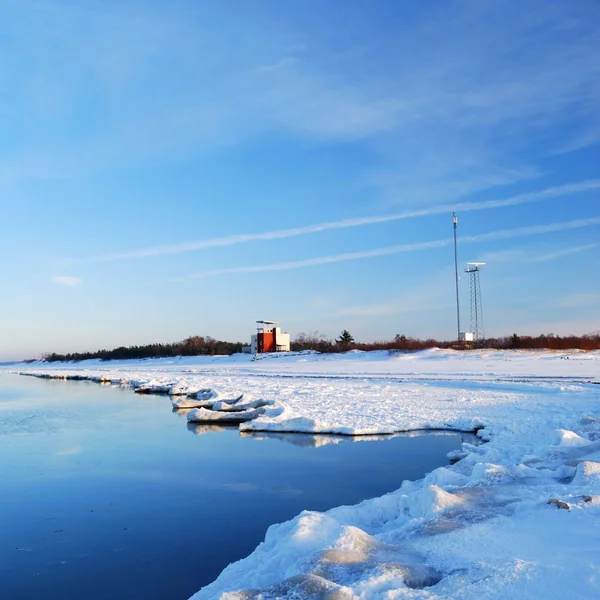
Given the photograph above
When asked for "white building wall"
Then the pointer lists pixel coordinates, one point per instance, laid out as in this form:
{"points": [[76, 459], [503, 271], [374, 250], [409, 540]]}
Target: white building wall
{"points": [[283, 341]]}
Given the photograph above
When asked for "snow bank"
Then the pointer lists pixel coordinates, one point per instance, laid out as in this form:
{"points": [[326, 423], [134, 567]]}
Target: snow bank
{"points": [[432, 363], [510, 520]]}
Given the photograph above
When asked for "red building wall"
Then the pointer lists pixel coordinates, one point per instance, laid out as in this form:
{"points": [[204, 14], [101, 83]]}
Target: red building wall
{"points": [[265, 342]]}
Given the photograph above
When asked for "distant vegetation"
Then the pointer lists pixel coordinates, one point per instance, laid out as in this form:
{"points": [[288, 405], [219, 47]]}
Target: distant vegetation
{"points": [[192, 346], [322, 343], [198, 345]]}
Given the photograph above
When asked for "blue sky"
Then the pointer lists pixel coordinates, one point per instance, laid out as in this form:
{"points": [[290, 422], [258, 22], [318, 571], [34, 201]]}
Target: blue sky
{"points": [[181, 168]]}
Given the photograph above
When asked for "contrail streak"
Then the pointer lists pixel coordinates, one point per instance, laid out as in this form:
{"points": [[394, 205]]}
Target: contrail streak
{"points": [[311, 262], [573, 188], [563, 252]]}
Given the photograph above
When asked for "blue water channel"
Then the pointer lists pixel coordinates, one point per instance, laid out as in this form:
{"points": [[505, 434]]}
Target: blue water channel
{"points": [[105, 494]]}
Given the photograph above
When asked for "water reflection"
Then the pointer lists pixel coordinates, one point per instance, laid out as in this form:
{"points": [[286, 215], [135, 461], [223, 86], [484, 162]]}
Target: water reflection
{"points": [[314, 440], [181, 412], [307, 440], [203, 428]]}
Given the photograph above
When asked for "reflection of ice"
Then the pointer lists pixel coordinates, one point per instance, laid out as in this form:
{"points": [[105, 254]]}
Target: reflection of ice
{"points": [[202, 428], [316, 440], [181, 412], [303, 440]]}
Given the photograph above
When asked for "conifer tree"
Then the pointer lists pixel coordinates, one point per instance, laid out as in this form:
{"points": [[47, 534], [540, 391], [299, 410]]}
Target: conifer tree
{"points": [[345, 339]]}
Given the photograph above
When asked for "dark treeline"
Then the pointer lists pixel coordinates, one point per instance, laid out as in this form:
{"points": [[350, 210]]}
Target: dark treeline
{"points": [[198, 345], [321, 343], [192, 346], [550, 341]]}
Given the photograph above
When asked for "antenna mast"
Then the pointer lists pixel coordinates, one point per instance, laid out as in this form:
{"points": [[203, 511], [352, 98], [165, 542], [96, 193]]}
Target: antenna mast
{"points": [[455, 219]]}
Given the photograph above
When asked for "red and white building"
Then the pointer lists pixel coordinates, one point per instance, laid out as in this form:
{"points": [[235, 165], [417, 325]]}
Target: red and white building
{"points": [[268, 338]]}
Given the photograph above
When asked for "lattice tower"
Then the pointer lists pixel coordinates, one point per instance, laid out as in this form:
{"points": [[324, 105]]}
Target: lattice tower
{"points": [[473, 269]]}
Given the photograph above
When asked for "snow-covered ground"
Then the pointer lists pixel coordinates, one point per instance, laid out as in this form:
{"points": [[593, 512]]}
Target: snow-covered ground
{"points": [[517, 517]]}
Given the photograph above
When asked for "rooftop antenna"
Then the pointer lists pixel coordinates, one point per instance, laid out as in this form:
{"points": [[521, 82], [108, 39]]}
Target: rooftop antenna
{"points": [[473, 268], [455, 219]]}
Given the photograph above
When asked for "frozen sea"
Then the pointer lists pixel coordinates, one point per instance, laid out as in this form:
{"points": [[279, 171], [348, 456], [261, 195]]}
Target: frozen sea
{"points": [[107, 494]]}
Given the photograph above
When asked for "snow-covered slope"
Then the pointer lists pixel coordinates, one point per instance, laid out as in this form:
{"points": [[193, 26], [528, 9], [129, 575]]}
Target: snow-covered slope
{"points": [[435, 363], [516, 517]]}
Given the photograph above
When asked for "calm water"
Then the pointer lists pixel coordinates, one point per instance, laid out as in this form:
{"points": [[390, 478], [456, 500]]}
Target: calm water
{"points": [[105, 494]]}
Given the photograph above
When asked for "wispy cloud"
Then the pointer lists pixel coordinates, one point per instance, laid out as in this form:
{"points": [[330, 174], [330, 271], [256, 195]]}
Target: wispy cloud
{"points": [[525, 255], [67, 280], [424, 297], [448, 83], [463, 113], [533, 230], [311, 262], [153, 251], [580, 300], [503, 256], [463, 88], [563, 252]]}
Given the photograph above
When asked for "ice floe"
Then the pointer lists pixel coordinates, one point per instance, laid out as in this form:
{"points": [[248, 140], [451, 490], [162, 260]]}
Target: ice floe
{"points": [[202, 415]]}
